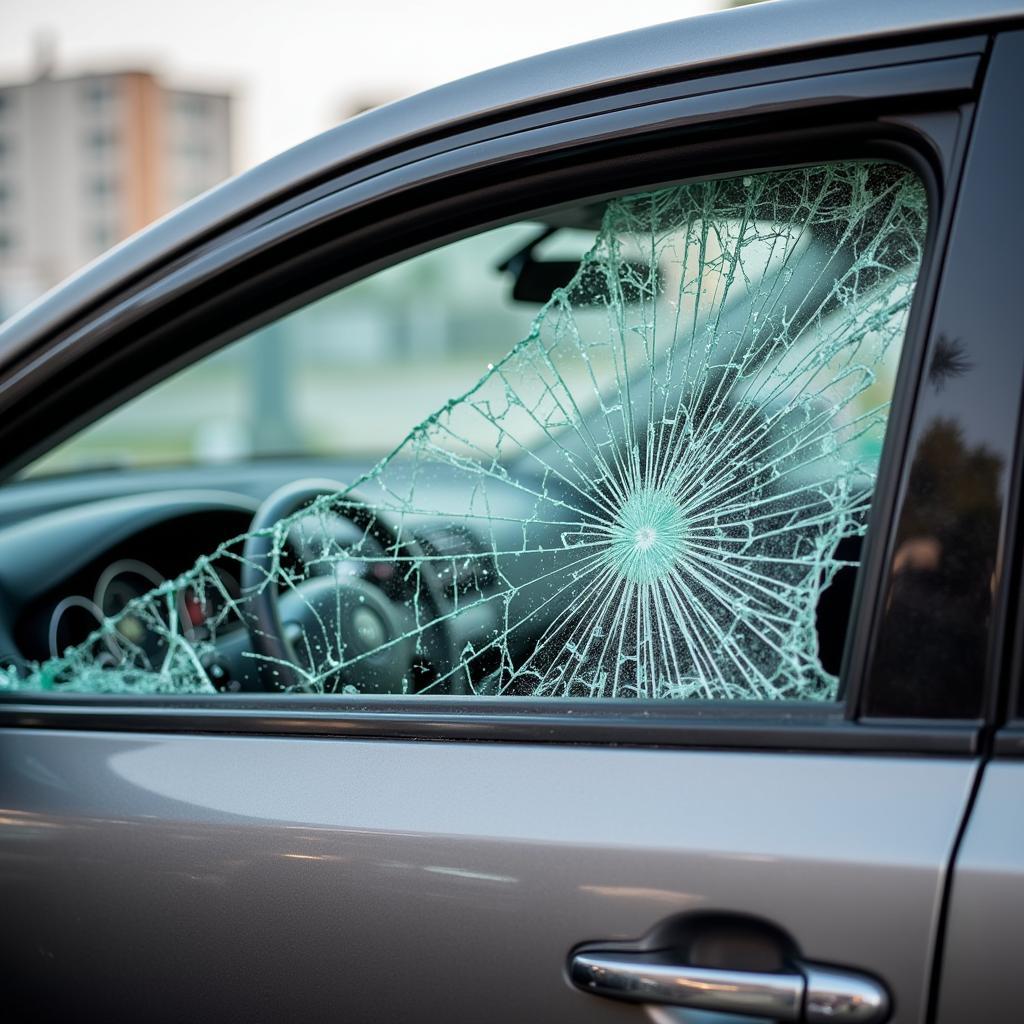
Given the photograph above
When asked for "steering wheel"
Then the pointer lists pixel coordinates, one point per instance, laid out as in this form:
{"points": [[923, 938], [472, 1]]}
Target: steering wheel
{"points": [[337, 624]]}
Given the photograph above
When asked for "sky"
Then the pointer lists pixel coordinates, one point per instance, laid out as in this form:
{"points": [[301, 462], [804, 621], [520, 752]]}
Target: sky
{"points": [[298, 66]]}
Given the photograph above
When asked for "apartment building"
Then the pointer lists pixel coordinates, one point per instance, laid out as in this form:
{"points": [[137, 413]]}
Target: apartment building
{"points": [[86, 161]]}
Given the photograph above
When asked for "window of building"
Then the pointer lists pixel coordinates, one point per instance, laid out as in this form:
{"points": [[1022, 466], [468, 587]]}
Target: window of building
{"points": [[97, 93], [101, 237], [101, 187], [194, 149], [101, 140], [192, 105]]}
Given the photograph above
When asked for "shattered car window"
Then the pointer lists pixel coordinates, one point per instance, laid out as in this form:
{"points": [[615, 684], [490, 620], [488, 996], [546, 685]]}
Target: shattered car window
{"points": [[647, 497]]}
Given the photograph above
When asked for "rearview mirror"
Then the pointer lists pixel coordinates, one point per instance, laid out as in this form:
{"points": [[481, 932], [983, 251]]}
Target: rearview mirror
{"points": [[537, 280]]}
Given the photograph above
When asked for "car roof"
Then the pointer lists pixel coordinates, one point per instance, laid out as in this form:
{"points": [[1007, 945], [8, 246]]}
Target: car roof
{"points": [[689, 45]]}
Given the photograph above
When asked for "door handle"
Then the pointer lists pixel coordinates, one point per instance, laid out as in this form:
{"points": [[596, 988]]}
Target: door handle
{"points": [[809, 992]]}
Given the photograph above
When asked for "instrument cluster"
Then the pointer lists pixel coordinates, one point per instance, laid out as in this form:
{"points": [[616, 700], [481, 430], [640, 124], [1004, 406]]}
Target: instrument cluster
{"points": [[120, 584]]}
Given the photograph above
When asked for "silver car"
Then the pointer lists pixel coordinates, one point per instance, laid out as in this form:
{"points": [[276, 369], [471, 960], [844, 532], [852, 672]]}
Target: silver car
{"points": [[548, 549]]}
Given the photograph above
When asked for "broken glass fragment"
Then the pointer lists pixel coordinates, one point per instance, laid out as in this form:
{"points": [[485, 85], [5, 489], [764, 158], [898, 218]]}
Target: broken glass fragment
{"points": [[645, 498]]}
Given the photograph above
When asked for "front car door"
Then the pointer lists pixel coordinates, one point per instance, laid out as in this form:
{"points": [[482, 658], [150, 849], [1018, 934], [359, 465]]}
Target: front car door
{"points": [[703, 759]]}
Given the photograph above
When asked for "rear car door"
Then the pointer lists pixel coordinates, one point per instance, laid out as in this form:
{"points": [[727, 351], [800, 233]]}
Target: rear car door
{"points": [[985, 914], [565, 857]]}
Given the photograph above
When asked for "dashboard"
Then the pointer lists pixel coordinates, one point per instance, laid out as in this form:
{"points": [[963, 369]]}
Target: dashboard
{"points": [[63, 573], [75, 551]]}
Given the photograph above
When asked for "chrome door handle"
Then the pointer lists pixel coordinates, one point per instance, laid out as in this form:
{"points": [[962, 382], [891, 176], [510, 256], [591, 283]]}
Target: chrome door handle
{"points": [[808, 992]]}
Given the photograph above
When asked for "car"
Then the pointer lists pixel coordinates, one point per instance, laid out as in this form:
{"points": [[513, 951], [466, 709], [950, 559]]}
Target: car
{"points": [[546, 549]]}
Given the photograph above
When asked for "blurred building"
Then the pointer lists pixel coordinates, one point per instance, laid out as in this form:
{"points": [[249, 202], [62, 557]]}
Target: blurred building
{"points": [[86, 161]]}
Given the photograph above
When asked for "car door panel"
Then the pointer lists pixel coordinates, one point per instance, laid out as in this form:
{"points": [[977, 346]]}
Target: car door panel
{"points": [[250, 878], [984, 930]]}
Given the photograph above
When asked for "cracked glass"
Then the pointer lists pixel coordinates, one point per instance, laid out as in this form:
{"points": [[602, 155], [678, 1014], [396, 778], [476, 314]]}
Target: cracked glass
{"points": [[660, 491]]}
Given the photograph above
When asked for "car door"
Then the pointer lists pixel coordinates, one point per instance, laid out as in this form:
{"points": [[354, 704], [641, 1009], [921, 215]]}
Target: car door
{"points": [[520, 857], [984, 913]]}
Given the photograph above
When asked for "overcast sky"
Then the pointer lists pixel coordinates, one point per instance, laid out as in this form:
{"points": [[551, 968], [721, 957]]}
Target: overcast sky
{"points": [[297, 65]]}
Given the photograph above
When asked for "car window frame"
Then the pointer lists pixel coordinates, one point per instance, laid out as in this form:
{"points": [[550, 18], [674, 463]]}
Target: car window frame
{"points": [[872, 111], [1004, 700], [981, 310]]}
